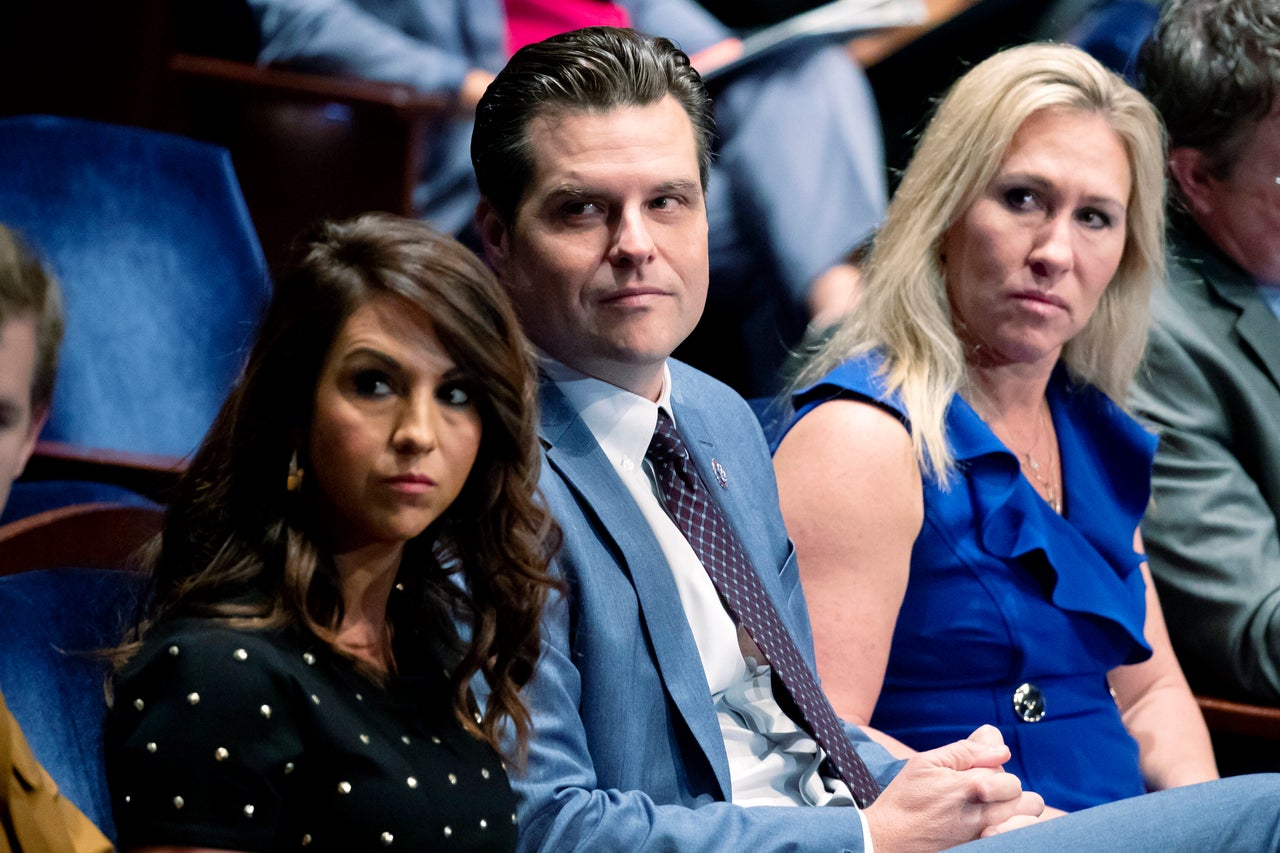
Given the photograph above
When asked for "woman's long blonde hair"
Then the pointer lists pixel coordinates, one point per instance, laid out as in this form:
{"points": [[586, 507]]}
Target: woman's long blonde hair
{"points": [[905, 313]]}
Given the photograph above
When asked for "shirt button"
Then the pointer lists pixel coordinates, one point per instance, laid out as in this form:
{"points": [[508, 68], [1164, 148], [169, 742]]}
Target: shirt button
{"points": [[1028, 703]]}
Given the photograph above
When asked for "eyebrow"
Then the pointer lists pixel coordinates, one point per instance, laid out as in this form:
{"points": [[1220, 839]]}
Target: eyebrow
{"points": [[679, 186], [371, 352], [568, 190], [391, 363]]}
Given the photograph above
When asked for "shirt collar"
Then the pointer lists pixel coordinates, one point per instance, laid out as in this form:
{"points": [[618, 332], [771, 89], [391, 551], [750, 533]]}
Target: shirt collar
{"points": [[621, 422], [1271, 296]]}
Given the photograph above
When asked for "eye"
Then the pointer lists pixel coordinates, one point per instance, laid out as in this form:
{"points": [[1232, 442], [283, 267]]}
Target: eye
{"points": [[372, 383], [454, 394], [579, 208], [665, 202], [1094, 218], [1020, 198]]}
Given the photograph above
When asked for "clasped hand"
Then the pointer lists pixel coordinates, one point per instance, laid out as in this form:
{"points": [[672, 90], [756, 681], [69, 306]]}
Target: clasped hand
{"points": [[951, 795]]}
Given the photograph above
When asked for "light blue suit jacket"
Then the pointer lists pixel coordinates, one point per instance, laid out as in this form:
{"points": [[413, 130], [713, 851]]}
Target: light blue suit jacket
{"points": [[627, 752]]}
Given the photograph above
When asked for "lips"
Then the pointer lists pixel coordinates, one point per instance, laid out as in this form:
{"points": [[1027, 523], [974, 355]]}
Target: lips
{"points": [[1042, 298], [411, 484], [633, 296]]}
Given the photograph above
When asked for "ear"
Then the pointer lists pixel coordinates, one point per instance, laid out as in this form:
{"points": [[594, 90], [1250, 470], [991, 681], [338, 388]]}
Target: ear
{"points": [[494, 237], [38, 418], [1190, 168]]}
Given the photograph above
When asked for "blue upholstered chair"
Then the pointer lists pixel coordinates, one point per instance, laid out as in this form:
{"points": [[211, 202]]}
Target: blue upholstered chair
{"points": [[66, 594], [1113, 31], [163, 276]]}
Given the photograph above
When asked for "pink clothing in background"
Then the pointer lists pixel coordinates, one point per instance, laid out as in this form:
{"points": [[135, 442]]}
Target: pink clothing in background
{"points": [[529, 21]]}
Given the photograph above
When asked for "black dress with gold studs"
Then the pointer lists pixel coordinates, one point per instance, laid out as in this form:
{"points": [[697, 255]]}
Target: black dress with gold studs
{"points": [[266, 740]]}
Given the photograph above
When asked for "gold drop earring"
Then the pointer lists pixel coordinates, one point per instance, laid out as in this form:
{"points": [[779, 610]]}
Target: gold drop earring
{"points": [[293, 482]]}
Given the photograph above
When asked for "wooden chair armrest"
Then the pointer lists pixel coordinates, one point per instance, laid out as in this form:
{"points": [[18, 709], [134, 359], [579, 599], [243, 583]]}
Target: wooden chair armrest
{"points": [[151, 475], [1240, 718], [401, 99], [94, 535], [307, 145]]}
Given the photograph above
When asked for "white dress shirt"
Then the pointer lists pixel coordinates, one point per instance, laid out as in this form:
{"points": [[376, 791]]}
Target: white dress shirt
{"points": [[772, 761], [1271, 295]]}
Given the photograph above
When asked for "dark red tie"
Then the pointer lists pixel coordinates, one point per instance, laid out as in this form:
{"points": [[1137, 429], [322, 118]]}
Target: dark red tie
{"points": [[691, 506]]}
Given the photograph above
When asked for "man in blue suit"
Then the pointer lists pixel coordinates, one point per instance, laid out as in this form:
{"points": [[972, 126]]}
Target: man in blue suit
{"points": [[655, 724], [799, 177]]}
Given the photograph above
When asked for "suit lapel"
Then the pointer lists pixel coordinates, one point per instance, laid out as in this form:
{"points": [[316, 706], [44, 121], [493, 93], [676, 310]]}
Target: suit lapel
{"points": [[1258, 328], [574, 454]]}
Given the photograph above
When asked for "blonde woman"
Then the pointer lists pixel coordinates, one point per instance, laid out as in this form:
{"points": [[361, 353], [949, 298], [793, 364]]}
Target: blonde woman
{"points": [[962, 487]]}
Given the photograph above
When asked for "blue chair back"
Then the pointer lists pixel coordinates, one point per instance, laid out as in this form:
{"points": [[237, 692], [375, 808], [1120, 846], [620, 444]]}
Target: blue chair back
{"points": [[163, 275], [1113, 31], [52, 624]]}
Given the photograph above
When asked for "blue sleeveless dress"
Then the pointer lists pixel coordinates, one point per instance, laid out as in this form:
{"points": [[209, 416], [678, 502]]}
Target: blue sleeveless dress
{"points": [[1013, 615]]}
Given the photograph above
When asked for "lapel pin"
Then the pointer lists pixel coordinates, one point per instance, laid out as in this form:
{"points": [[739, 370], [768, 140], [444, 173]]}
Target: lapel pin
{"points": [[721, 477]]}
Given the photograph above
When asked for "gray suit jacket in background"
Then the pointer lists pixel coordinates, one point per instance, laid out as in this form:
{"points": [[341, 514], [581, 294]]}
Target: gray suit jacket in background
{"points": [[1211, 388]]}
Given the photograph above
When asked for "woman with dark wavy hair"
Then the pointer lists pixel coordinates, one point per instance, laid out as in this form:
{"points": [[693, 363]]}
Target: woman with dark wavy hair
{"points": [[357, 537]]}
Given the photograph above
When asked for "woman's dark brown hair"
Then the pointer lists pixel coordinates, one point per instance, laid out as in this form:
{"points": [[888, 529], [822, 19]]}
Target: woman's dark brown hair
{"points": [[238, 546]]}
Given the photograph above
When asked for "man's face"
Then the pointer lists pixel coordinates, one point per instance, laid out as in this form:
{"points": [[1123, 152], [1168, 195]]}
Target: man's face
{"points": [[1241, 213], [19, 425], [606, 258]]}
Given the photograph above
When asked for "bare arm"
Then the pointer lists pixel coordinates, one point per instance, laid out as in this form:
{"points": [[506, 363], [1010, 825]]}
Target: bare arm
{"points": [[712, 57], [472, 89], [853, 502], [1159, 710]]}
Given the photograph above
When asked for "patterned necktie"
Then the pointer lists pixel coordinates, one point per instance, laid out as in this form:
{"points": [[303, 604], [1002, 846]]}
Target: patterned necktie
{"points": [[700, 519]]}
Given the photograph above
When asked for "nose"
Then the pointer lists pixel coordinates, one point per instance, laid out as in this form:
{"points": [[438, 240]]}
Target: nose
{"points": [[632, 240], [415, 428], [1053, 252]]}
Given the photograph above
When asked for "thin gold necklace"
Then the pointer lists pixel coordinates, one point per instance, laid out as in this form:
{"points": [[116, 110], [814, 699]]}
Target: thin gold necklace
{"points": [[1031, 467]]}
